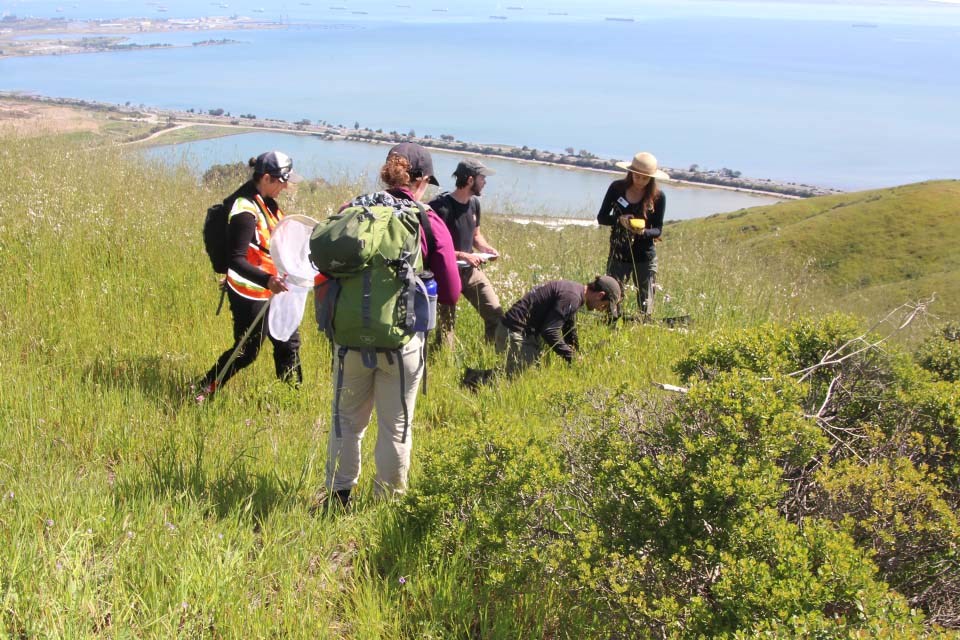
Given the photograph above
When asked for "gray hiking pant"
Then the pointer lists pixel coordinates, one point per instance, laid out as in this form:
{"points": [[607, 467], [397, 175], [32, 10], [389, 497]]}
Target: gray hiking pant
{"points": [[478, 291], [521, 350]]}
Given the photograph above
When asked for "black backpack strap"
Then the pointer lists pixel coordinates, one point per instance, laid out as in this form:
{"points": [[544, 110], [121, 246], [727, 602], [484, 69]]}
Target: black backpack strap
{"points": [[427, 228], [408, 277], [247, 192], [423, 362], [403, 397], [369, 358], [341, 354], [223, 295], [230, 199]]}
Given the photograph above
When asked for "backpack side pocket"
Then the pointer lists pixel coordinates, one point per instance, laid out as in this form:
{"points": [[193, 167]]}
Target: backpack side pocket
{"points": [[325, 295]]}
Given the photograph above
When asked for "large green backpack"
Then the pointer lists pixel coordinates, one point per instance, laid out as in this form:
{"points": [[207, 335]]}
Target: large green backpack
{"points": [[371, 252]]}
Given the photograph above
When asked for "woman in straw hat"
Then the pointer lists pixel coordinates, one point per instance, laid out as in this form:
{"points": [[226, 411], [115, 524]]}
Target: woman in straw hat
{"points": [[633, 208]]}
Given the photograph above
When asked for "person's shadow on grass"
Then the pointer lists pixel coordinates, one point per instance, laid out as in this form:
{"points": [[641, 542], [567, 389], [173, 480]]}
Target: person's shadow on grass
{"points": [[222, 489], [160, 379]]}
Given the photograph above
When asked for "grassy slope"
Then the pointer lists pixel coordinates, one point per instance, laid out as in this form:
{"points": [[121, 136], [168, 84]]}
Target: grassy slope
{"points": [[870, 250], [125, 509]]}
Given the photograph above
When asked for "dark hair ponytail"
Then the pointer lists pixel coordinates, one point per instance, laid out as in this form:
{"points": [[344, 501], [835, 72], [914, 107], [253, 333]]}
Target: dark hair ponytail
{"points": [[252, 162]]}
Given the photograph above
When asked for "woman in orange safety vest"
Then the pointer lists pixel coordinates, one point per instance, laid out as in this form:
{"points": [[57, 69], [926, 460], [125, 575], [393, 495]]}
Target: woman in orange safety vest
{"points": [[251, 276]]}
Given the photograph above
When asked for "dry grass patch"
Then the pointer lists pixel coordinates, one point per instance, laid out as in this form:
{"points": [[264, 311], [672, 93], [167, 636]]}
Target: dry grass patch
{"points": [[31, 118]]}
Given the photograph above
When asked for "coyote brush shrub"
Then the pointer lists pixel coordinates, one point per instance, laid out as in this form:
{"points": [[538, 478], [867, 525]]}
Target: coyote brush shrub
{"points": [[762, 502], [941, 353]]}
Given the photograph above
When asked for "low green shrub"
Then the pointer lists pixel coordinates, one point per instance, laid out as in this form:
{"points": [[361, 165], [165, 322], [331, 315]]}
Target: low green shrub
{"points": [[941, 353], [899, 513], [890, 477], [656, 518], [765, 501]]}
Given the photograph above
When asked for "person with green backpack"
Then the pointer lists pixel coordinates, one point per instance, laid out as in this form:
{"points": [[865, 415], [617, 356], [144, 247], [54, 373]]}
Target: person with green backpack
{"points": [[382, 254]]}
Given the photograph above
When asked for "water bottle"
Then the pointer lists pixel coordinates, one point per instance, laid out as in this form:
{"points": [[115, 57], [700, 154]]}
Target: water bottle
{"points": [[432, 299], [425, 302]]}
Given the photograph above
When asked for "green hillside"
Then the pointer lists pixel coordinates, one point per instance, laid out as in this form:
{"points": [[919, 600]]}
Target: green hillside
{"points": [[868, 251], [572, 501]]}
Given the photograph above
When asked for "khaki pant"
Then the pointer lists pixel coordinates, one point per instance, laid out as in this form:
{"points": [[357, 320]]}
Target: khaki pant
{"points": [[392, 387], [478, 291], [521, 350]]}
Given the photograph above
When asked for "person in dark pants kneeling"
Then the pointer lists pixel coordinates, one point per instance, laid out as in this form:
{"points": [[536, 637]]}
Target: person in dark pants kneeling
{"points": [[547, 316]]}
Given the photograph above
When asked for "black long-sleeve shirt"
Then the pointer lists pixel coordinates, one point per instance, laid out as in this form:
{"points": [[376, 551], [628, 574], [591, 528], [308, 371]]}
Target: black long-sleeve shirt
{"points": [[550, 311], [621, 240]]}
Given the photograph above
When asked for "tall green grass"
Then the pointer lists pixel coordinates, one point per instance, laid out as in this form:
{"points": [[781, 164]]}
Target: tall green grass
{"points": [[129, 511]]}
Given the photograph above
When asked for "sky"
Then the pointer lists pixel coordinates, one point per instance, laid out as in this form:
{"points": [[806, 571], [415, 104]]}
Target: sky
{"points": [[881, 11]]}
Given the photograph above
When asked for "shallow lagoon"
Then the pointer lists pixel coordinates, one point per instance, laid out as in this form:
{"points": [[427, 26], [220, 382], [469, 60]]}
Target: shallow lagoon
{"points": [[518, 189]]}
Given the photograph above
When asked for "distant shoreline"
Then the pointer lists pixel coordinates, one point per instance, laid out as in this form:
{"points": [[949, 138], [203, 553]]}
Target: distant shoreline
{"points": [[426, 144], [29, 37], [183, 119], [331, 132], [611, 172], [79, 36], [167, 120], [249, 129], [723, 179]]}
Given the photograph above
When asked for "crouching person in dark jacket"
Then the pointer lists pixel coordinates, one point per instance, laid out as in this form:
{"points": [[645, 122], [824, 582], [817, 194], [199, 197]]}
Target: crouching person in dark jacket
{"points": [[547, 315]]}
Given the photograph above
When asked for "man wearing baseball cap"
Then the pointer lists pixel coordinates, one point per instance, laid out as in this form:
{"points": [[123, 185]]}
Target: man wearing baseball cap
{"points": [[547, 315], [460, 210]]}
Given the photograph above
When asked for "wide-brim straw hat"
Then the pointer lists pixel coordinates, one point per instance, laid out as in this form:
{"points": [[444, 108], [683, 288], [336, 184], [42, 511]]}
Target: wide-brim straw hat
{"points": [[645, 164]]}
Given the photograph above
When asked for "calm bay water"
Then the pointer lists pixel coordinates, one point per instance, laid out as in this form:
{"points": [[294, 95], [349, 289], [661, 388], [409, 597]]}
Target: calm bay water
{"points": [[861, 95], [517, 189]]}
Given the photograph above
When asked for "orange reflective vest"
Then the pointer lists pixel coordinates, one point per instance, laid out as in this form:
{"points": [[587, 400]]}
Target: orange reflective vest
{"points": [[258, 251]]}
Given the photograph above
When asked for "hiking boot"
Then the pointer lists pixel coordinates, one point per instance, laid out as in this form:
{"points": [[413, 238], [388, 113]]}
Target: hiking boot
{"points": [[341, 497], [473, 379], [336, 502], [293, 376]]}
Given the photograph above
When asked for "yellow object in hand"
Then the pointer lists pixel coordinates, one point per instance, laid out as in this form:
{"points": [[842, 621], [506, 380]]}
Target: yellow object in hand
{"points": [[638, 223]]}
